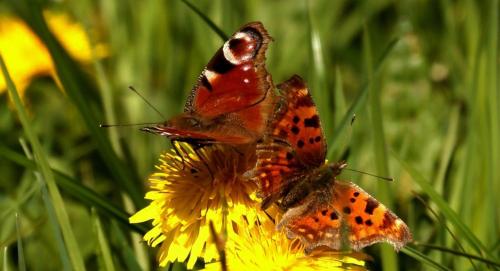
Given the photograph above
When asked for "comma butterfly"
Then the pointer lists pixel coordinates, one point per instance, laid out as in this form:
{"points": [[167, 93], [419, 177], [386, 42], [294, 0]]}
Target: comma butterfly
{"points": [[292, 172], [233, 97]]}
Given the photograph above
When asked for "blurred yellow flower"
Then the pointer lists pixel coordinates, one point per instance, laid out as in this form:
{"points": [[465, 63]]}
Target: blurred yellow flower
{"points": [[27, 57], [265, 248], [185, 196]]}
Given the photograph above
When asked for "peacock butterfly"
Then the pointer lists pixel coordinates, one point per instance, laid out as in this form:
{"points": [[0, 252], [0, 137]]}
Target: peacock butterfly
{"points": [[291, 171], [233, 97]]}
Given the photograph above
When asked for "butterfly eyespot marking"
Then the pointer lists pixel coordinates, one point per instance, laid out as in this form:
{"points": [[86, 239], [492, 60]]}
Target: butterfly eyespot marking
{"points": [[356, 194], [295, 130], [317, 139], [312, 121], [353, 200], [333, 216], [346, 210], [243, 46], [316, 219], [359, 219], [289, 156], [300, 143], [371, 205], [324, 212], [296, 119], [368, 222]]}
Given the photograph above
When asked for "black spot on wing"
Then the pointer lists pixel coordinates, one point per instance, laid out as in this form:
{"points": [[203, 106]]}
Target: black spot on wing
{"points": [[312, 121], [296, 119], [295, 130], [333, 216], [371, 205], [358, 219], [346, 210], [300, 143]]}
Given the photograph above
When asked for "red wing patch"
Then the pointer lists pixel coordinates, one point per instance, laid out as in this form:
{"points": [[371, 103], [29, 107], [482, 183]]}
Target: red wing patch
{"points": [[233, 97]]}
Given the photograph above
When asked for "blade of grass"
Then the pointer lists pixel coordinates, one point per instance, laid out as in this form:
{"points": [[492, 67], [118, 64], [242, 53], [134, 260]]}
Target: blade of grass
{"points": [[493, 103], [5, 266], [449, 214], [20, 251], [417, 255], [359, 101], [317, 73], [77, 190], [207, 20], [389, 259], [47, 174], [104, 250], [49, 206], [80, 91], [127, 254], [459, 253], [448, 147]]}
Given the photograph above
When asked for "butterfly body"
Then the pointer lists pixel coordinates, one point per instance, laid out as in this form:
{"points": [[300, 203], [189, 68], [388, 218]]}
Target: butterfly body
{"points": [[316, 181], [233, 97], [292, 172]]}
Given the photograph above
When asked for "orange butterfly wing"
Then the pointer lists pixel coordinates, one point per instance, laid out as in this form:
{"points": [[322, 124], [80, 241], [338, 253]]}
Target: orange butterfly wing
{"points": [[233, 97], [297, 122], [351, 218], [295, 142]]}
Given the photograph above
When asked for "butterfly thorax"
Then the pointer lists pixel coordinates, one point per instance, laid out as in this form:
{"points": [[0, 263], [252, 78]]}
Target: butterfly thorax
{"points": [[317, 181]]}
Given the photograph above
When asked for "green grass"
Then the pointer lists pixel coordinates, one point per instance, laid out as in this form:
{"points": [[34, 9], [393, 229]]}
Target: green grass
{"points": [[421, 77]]}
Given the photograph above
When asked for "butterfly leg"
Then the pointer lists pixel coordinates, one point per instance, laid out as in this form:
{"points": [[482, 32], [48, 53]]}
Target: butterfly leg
{"points": [[197, 151]]}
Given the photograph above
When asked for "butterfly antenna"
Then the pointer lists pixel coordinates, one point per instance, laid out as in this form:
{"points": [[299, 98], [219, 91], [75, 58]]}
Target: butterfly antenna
{"points": [[126, 124], [389, 179], [147, 102]]}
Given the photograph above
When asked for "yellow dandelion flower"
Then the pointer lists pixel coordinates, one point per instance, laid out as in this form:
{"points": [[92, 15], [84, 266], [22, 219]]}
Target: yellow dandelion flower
{"points": [[18, 41], [185, 196], [265, 248]]}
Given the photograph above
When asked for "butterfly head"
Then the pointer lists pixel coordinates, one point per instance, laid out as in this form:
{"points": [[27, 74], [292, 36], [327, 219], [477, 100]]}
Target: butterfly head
{"points": [[337, 167]]}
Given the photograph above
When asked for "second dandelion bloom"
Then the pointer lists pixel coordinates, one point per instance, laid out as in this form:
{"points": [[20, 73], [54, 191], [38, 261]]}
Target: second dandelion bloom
{"points": [[265, 248], [190, 189]]}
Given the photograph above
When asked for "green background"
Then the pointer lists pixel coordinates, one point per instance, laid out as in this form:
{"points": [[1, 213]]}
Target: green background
{"points": [[420, 76]]}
